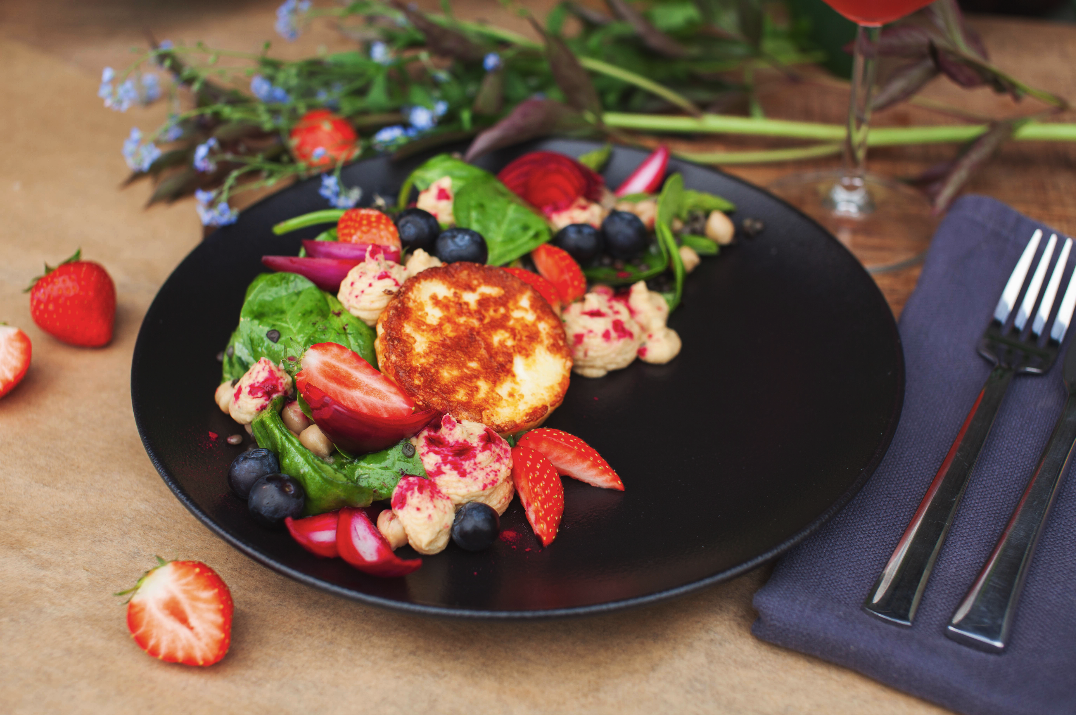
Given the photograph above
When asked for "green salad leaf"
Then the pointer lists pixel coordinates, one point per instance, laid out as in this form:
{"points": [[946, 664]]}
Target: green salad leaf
{"points": [[669, 202], [342, 482], [691, 200], [436, 168], [284, 314], [598, 158], [652, 264], [510, 228], [701, 245]]}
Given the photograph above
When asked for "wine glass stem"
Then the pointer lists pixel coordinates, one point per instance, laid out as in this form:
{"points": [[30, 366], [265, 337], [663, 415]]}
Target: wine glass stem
{"points": [[850, 197]]}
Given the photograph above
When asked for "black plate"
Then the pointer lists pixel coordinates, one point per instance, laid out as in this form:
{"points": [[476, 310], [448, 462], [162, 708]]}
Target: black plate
{"points": [[780, 406]]}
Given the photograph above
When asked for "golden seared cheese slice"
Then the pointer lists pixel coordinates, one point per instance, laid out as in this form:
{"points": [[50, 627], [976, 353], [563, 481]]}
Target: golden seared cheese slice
{"points": [[477, 343]]}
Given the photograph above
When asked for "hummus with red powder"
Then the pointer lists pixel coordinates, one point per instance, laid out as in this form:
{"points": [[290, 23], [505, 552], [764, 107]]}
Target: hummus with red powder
{"points": [[467, 461]]}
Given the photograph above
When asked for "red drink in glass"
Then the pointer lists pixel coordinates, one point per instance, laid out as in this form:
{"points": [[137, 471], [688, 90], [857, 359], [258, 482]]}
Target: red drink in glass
{"points": [[873, 13]]}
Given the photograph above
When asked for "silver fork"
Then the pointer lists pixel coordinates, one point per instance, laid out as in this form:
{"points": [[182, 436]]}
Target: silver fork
{"points": [[1013, 348]]}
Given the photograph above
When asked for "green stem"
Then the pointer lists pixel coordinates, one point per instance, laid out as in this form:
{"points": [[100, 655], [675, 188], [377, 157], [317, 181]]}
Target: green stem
{"points": [[310, 219], [760, 157], [879, 136]]}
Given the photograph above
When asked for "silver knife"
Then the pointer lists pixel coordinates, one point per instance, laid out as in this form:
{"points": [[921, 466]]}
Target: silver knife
{"points": [[984, 618]]}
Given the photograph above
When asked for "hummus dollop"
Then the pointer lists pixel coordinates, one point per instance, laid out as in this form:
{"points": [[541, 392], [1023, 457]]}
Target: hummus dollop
{"points": [[437, 200], [425, 513], [467, 461], [580, 211], [256, 389], [369, 286], [420, 261], [602, 334], [660, 343]]}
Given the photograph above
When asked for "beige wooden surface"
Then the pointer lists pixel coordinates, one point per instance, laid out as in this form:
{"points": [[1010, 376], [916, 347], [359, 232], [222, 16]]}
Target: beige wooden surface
{"points": [[85, 511]]}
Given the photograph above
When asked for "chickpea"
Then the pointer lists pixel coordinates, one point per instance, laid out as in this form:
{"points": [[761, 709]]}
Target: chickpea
{"points": [[689, 258], [223, 396], [719, 228], [293, 418], [315, 440], [391, 528]]}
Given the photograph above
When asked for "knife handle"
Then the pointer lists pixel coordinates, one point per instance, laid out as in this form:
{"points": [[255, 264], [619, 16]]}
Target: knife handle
{"points": [[984, 618], [896, 594]]}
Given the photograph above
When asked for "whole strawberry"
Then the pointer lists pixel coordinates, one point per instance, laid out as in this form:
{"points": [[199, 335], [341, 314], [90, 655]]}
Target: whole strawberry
{"points": [[321, 139], [75, 302]]}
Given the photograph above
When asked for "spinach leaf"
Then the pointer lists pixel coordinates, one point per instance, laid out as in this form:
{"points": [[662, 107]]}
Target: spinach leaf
{"points": [[439, 167], [598, 158], [345, 481], [669, 202], [510, 228], [653, 263], [702, 245], [692, 200], [298, 314]]}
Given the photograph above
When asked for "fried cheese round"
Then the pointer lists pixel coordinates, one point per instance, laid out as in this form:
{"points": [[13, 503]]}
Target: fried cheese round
{"points": [[477, 343]]}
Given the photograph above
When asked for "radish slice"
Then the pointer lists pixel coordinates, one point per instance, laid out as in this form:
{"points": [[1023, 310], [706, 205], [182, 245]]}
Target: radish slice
{"points": [[648, 176], [350, 251], [362, 545], [316, 534], [326, 273]]}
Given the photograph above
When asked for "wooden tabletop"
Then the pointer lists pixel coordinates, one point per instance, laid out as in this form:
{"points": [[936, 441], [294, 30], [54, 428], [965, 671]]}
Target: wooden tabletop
{"points": [[86, 510]]}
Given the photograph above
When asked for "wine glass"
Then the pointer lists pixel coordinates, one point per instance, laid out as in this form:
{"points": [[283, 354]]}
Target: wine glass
{"points": [[886, 225]]}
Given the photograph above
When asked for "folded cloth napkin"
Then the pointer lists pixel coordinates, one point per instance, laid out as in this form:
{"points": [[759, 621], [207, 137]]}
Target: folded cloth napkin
{"points": [[812, 603]]}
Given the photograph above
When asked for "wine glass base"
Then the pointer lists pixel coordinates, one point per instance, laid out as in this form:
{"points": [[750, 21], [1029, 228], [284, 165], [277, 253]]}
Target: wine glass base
{"points": [[888, 231]]}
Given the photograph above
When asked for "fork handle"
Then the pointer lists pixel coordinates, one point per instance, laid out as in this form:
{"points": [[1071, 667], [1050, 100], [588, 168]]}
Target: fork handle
{"points": [[984, 618], [895, 596]]}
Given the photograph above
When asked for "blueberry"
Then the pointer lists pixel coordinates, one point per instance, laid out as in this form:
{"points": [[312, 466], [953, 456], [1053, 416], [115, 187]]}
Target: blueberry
{"points": [[625, 235], [476, 526], [249, 467], [582, 242], [461, 244], [418, 229], [274, 497]]}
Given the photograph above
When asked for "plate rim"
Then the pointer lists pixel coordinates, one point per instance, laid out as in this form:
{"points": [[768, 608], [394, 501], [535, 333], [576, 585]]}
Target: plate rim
{"points": [[532, 614]]}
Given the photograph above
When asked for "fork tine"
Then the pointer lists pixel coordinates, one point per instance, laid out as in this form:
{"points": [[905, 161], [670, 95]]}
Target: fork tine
{"points": [[1016, 280], [1051, 289], [1064, 313], [1033, 288]]}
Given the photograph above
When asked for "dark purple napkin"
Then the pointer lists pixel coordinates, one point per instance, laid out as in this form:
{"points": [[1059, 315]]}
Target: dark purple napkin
{"points": [[812, 603]]}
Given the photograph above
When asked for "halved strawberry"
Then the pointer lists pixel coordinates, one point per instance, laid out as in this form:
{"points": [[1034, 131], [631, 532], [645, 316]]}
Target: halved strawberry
{"points": [[544, 287], [181, 612], [15, 352], [356, 406], [560, 269], [367, 226], [316, 534], [573, 457], [540, 490]]}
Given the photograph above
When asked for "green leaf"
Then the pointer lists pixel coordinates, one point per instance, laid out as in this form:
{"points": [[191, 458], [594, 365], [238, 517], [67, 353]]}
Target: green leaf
{"points": [[669, 203], [311, 219], [652, 264], [302, 314], [569, 75], [700, 244], [331, 485], [598, 158], [691, 200], [670, 200], [509, 226]]}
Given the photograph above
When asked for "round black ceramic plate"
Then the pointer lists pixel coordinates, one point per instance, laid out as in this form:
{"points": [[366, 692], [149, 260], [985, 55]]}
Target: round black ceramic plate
{"points": [[779, 407]]}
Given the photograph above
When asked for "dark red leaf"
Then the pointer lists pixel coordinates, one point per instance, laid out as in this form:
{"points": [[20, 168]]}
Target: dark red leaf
{"points": [[904, 82], [178, 184], [591, 17], [651, 36], [490, 95], [530, 119], [947, 17], [751, 21], [973, 156], [442, 41], [956, 67], [569, 75], [904, 40]]}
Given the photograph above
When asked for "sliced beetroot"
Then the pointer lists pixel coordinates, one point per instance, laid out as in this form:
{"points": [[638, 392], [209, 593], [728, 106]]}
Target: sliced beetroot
{"points": [[360, 544], [326, 273], [316, 534], [350, 251]]}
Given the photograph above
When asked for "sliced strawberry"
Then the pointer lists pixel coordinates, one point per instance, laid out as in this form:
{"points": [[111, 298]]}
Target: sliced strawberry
{"points": [[367, 226], [573, 457], [362, 545], [356, 406], [540, 490], [560, 269], [14, 357], [544, 287], [316, 534], [181, 612]]}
